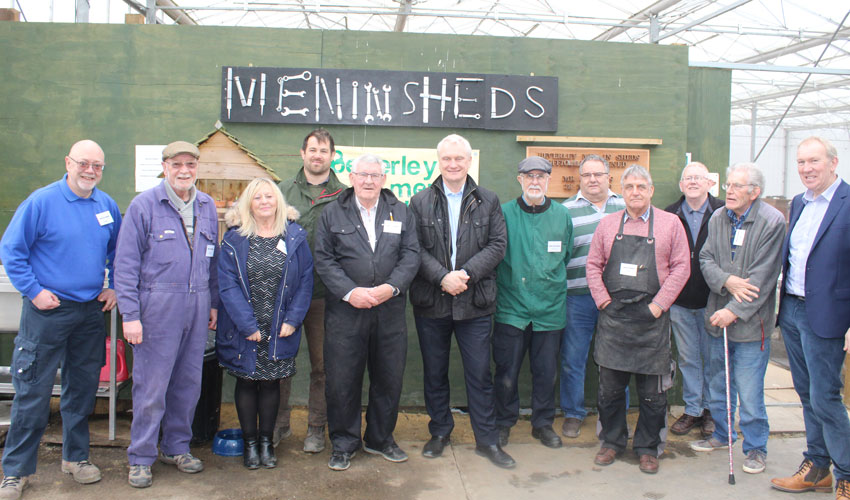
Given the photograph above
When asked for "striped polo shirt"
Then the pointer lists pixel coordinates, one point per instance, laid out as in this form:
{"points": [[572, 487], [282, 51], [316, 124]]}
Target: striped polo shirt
{"points": [[585, 216]]}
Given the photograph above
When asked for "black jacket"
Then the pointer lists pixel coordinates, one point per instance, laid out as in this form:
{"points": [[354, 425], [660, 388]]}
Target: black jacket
{"points": [[695, 293], [481, 242], [343, 258]]}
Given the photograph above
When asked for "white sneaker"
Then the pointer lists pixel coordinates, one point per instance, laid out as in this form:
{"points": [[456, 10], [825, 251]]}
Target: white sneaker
{"points": [[708, 444], [12, 487]]}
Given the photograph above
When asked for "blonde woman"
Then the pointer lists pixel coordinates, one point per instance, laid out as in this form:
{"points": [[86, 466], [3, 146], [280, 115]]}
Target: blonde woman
{"points": [[265, 283]]}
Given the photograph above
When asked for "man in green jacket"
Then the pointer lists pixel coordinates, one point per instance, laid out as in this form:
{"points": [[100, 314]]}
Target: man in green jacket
{"points": [[313, 187], [532, 297]]}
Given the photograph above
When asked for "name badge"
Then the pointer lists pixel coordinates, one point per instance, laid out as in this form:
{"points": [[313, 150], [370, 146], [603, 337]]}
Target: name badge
{"points": [[210, 250], [105, 218], [281, 245], [392, 226], [554, 246], [739, 237], [628, 269]]}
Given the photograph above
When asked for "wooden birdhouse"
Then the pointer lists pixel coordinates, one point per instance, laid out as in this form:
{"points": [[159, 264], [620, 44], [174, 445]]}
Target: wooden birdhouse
{"points": [[225, 168]]}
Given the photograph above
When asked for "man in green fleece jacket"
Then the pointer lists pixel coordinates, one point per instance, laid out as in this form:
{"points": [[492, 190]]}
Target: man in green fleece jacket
{"points": [[532, 298], [313, 187]]}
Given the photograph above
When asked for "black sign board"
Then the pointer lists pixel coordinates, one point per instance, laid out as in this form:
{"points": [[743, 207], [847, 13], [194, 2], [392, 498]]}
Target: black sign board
{"points": [[389, 98]]}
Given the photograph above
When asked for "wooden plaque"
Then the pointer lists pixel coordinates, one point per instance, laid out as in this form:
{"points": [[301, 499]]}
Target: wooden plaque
{"points": [[565, 180]]}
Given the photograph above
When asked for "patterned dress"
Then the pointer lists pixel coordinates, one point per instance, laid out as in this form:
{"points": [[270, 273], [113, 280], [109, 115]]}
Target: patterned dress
{"points": [[265, 268]]}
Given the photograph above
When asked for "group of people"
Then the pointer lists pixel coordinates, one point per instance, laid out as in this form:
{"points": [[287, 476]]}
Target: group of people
{"points": [[527, 277]]}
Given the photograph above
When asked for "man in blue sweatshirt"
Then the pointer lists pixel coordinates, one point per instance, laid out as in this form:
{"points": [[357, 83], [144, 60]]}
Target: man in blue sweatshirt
{"points": [[55, 251]]}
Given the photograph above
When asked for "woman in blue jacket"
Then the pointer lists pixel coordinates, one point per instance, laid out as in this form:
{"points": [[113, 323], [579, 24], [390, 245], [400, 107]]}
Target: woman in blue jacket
{"points": [[265, 283]]}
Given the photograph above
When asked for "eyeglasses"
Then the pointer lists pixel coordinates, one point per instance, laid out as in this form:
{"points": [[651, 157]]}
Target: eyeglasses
{"points": [[536, 177], [595, 175], [693, 178], [736, 186], [97, 167], [191, 165], [363, 175]]}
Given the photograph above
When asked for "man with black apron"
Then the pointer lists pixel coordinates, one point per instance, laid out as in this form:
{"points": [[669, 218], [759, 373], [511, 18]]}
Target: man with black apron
{"points": [[637, 265]]}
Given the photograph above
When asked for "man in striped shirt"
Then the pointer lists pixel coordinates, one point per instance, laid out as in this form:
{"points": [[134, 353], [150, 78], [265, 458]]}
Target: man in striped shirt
{"points": [[593, 201]]}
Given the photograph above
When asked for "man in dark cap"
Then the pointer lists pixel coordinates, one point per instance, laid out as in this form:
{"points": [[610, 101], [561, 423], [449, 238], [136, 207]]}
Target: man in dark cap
{"points": [[167, 291], [532, 297]]}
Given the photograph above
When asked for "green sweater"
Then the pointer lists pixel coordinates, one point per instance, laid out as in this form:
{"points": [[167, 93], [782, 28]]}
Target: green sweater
{"points": [[532, 278], [310, 200]]}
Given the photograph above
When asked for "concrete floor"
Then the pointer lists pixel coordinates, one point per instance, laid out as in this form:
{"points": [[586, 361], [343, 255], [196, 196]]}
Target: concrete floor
{"points": [[542, 473]]}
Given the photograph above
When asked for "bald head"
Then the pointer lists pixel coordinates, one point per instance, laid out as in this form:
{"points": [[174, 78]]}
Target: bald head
{"points": [[86, 146], [84, 164]]}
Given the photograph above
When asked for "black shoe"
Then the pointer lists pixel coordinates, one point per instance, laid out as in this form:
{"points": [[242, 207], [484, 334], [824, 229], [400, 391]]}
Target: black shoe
{"points": [[504, 434], [267, 458], [434, 447], [496, 455], [340, 460], [390, 452], [546, 436], [251, 453]]}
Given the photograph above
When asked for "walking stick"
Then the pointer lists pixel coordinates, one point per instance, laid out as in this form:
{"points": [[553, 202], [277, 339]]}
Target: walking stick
{"points": [[728, 407]]}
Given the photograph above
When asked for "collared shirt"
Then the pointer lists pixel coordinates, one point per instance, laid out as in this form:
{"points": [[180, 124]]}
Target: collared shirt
{"points": [[61, 242], [585, 216], [367, 215], [644, 217], [186, 209], [803, 237], [454, 201], [694, 217], [737, 222]]}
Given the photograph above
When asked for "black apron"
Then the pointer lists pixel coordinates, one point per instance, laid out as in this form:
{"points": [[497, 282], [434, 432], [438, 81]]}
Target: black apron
{"points": [[628, 337]]}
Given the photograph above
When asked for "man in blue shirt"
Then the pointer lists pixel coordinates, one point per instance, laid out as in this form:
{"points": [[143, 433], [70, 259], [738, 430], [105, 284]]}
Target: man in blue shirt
{"points": [[55, 251]]}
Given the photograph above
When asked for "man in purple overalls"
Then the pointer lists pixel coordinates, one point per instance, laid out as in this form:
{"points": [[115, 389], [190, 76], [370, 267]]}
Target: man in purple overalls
{"points": [[165, 279]]}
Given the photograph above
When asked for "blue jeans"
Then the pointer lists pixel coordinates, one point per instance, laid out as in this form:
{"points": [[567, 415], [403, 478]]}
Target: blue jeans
{"points": [[575, 345], [71, 335], [747, 366], [473, 341], [816, 369], [693, 346]]}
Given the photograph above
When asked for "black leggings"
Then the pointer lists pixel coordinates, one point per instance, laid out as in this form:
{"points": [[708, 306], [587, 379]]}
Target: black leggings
{"points": [[257, 398]]}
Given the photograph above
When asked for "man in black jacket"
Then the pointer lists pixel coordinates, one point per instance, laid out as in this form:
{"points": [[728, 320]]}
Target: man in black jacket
{"points": [[463, 237], [366, 254], [694, 209]]}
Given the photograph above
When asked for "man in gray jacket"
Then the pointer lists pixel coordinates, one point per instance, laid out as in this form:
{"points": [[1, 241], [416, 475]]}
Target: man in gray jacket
{"points": [[740, 262]]}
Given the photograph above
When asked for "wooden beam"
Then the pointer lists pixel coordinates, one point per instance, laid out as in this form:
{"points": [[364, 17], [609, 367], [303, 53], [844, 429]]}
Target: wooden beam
{"points": [[592, 140]]}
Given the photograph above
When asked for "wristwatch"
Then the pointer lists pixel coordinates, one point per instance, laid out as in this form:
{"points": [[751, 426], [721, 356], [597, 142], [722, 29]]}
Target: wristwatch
{"points": [[396, 291]]}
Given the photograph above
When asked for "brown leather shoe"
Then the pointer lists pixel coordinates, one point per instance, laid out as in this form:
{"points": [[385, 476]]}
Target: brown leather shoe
{"points": [[648, 464], [684, 424], [605, 456], [807, 478], [842, 489], [706, 427]]}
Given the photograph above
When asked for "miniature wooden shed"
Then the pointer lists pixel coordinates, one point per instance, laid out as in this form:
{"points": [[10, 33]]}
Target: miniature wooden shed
{"points": [[225, 168]]}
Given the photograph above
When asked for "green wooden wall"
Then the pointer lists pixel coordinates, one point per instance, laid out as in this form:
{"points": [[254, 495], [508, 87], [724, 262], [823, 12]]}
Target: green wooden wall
{"points": [[136, 84]]}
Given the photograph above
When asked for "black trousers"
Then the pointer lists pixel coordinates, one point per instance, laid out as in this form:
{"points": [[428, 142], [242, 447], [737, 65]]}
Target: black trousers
{"points": [[509, 347], [651, 432], [357, 339], [473, 341]]}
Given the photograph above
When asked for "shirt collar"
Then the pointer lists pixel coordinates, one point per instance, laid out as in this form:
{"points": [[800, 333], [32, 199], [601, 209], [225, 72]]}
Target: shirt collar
{"points": [[611, 194], [828, 194], [645, 215], [70, 195], [687, 208], [364, 209], [739, 220], [449, 191]]}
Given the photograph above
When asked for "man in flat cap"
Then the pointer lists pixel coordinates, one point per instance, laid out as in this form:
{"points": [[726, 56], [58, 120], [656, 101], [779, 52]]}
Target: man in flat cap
{"points": [[168, 294], [531, 303]]}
